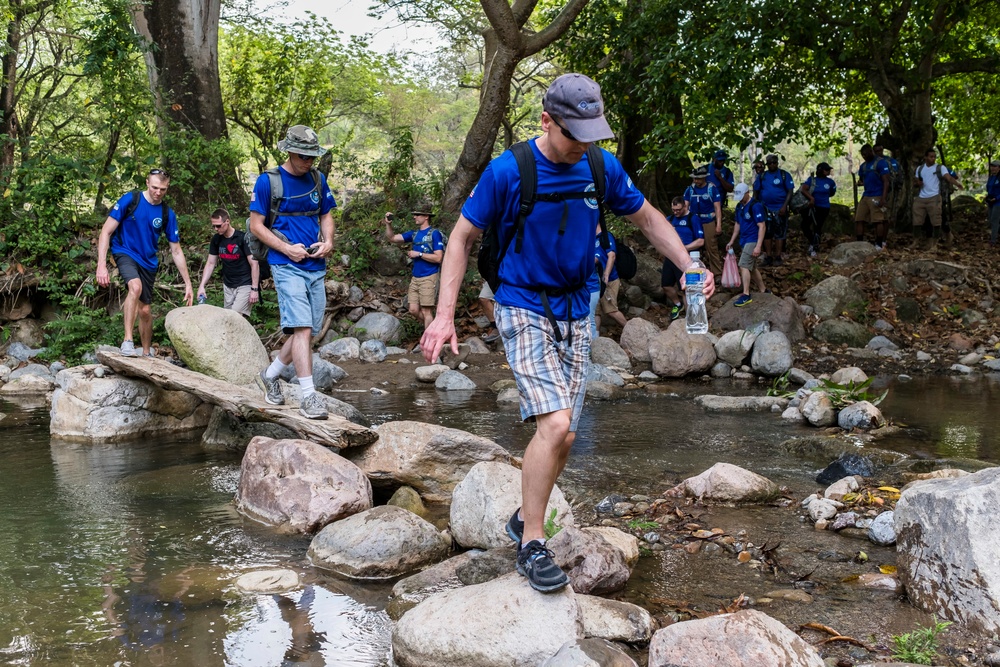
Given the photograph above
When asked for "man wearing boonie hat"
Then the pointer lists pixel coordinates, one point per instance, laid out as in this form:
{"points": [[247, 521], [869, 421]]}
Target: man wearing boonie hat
{"points": [[704, 202], [300, 238], [720, 175], [545, 270], [993, 201], [426, 252]]}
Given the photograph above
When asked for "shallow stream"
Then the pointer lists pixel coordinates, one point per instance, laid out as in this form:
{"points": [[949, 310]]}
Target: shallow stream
{"points": [[126, 554]]}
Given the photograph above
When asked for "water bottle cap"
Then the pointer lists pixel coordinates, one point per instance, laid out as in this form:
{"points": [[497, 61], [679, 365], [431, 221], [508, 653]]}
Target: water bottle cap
{"points": [[695, 254]]}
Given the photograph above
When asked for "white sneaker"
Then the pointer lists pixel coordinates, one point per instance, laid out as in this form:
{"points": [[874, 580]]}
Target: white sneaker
{"points": [[128, 349], [313, 407]]}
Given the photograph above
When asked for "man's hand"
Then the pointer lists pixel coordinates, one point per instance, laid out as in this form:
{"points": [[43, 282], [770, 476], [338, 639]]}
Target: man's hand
{"points": [[718, 228], [756, 250], [783, 211], [201, 293], [103, 279], [254, 296], [188, 294], [413, 254], [323, 249], [440, 332], [709, 289], [296, 252]]}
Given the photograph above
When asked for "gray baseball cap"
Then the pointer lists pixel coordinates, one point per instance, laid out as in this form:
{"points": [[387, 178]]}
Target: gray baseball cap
{"points": [[301, 140], [575, 99]]}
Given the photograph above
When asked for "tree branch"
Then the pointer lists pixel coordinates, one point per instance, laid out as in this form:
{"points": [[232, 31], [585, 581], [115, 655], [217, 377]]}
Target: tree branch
{"points": [[990, 64], [501, 19], [554, 30]]}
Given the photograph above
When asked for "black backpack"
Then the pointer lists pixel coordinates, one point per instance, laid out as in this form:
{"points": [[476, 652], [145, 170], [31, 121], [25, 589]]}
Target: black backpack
{"points": [[491, 251]]}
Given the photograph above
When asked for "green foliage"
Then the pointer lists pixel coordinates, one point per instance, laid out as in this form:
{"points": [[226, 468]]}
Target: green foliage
{"points": [[858, 311], [843, 395], [412, 329], [781, 387], [920, 646], [551, 527], [640, 524]]}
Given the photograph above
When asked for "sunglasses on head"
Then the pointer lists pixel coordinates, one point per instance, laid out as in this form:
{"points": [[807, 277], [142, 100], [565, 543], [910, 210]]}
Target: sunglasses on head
{"points": [[158, 172]]}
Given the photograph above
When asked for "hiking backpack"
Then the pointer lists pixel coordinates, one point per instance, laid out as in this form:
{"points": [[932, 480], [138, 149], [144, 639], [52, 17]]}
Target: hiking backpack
{"points": [[256, 247]]}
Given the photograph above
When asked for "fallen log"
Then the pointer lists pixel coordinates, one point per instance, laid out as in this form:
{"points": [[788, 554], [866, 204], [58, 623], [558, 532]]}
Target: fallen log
{"points": [[240, 401]]}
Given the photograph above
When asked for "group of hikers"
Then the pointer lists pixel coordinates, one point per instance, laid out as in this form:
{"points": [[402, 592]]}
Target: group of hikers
{"points": [[546, 251]]}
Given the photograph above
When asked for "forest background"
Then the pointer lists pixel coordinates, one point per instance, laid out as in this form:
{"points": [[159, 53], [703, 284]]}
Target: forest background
{"points": [[94, 93]]}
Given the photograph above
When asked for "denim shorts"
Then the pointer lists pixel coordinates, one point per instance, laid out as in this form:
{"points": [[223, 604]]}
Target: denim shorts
{"points": [[550, 376], [301, 297]]}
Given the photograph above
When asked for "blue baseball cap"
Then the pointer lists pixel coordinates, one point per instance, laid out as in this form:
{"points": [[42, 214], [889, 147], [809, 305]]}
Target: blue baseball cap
{"points": [[721, 155]]}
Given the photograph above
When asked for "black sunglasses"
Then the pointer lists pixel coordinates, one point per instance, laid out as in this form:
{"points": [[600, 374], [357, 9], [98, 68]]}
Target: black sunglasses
{"points": [[219, 226], [305, 157], [566, 133], [158, 172]]}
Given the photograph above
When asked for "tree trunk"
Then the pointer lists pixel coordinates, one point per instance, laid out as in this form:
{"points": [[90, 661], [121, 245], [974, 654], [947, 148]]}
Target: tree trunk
{"points": [[183, 64], [657, 183], [478, 148], [8, 96]]}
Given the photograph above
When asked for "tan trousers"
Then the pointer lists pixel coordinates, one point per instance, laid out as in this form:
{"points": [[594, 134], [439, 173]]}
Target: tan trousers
{"points": [[713, 258]]}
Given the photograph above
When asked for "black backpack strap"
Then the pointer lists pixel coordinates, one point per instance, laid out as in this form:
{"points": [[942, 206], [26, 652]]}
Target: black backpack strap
{"points": [[595, 158], [129, 211], [529, 186]]}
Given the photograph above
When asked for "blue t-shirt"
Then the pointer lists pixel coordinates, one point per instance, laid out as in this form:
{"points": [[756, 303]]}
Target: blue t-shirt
{"points": [[870, 173], [701, 201], [727, 175], [993, 190], [139, 235], [823, 190], [687, 227], [427, 241], [748, 216], [772, 188], [602, 256], [547, 259], [299, 196]]}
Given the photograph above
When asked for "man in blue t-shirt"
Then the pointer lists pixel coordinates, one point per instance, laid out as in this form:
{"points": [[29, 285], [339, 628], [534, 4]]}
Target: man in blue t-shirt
{"points": [[874, 176], [751, 221], [720, 175], [545, 271], [133, 239], [426, 252], [300, 238], [690, 232], [773, 188], [993, 201], [818, 189], [704, 202]]}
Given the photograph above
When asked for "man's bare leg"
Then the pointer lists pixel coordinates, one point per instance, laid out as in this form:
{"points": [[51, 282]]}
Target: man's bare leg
{"points": [[146, 327], [544, 460], [130, 309]]}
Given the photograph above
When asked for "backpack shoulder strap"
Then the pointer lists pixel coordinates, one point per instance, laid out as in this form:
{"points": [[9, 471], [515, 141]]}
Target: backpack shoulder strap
{"points": [[528, 173], [132, 205], [277, 192], [595, 158]]}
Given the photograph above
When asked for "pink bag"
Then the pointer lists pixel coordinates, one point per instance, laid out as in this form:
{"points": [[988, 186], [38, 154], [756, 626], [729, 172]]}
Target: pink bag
{"points": [[730, 271]]}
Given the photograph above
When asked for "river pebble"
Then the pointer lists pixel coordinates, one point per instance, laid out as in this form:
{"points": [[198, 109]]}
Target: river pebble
{"points": [[883, 531]]}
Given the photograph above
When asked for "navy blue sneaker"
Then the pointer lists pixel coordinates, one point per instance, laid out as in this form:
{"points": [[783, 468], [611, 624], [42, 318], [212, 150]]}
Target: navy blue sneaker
{"points": [[743, 300], [515, 528], [534, 562]]}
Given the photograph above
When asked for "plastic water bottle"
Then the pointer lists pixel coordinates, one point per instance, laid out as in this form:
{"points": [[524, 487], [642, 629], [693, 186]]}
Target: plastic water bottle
{"points": [[694, 281], [201, 300]]}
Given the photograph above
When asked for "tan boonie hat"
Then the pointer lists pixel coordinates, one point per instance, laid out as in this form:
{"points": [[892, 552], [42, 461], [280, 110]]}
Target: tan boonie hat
{"points": [[301, 140]]}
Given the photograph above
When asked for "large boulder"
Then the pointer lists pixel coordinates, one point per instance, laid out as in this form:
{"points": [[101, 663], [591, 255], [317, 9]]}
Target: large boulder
{"points": [[783, 315], [500, 623], [589, 652], [733, 347], [635, 338], [27, 385], [725, 482], [377, 326], [772, 354], [946, 551], [747, 638], [676, 353], [607, 352], [380, 543], [299, 486], [430, 458], [852, 253], [831, 297], [614, 620], [342, 349], [861, 415], [466, 569], [483, 502], [842, 332], [218, 342], [597, 560], [114, 408]]}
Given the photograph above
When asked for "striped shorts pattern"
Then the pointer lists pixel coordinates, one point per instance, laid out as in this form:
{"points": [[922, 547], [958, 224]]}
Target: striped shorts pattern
{"points": [[550, 376]]}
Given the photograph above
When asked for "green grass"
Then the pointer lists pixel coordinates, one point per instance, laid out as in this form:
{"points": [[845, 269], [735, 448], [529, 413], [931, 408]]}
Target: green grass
{"points": [[551, 527], [920, 646], [639, 524]]}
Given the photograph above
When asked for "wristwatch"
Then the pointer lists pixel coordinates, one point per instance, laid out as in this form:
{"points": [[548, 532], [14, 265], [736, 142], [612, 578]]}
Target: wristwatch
{"points": [[421, 255], [254, 289]]}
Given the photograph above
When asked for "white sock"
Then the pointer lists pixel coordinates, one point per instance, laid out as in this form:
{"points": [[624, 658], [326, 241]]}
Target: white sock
{"points": [[308, 388], [275, 369], [520, 517]]}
